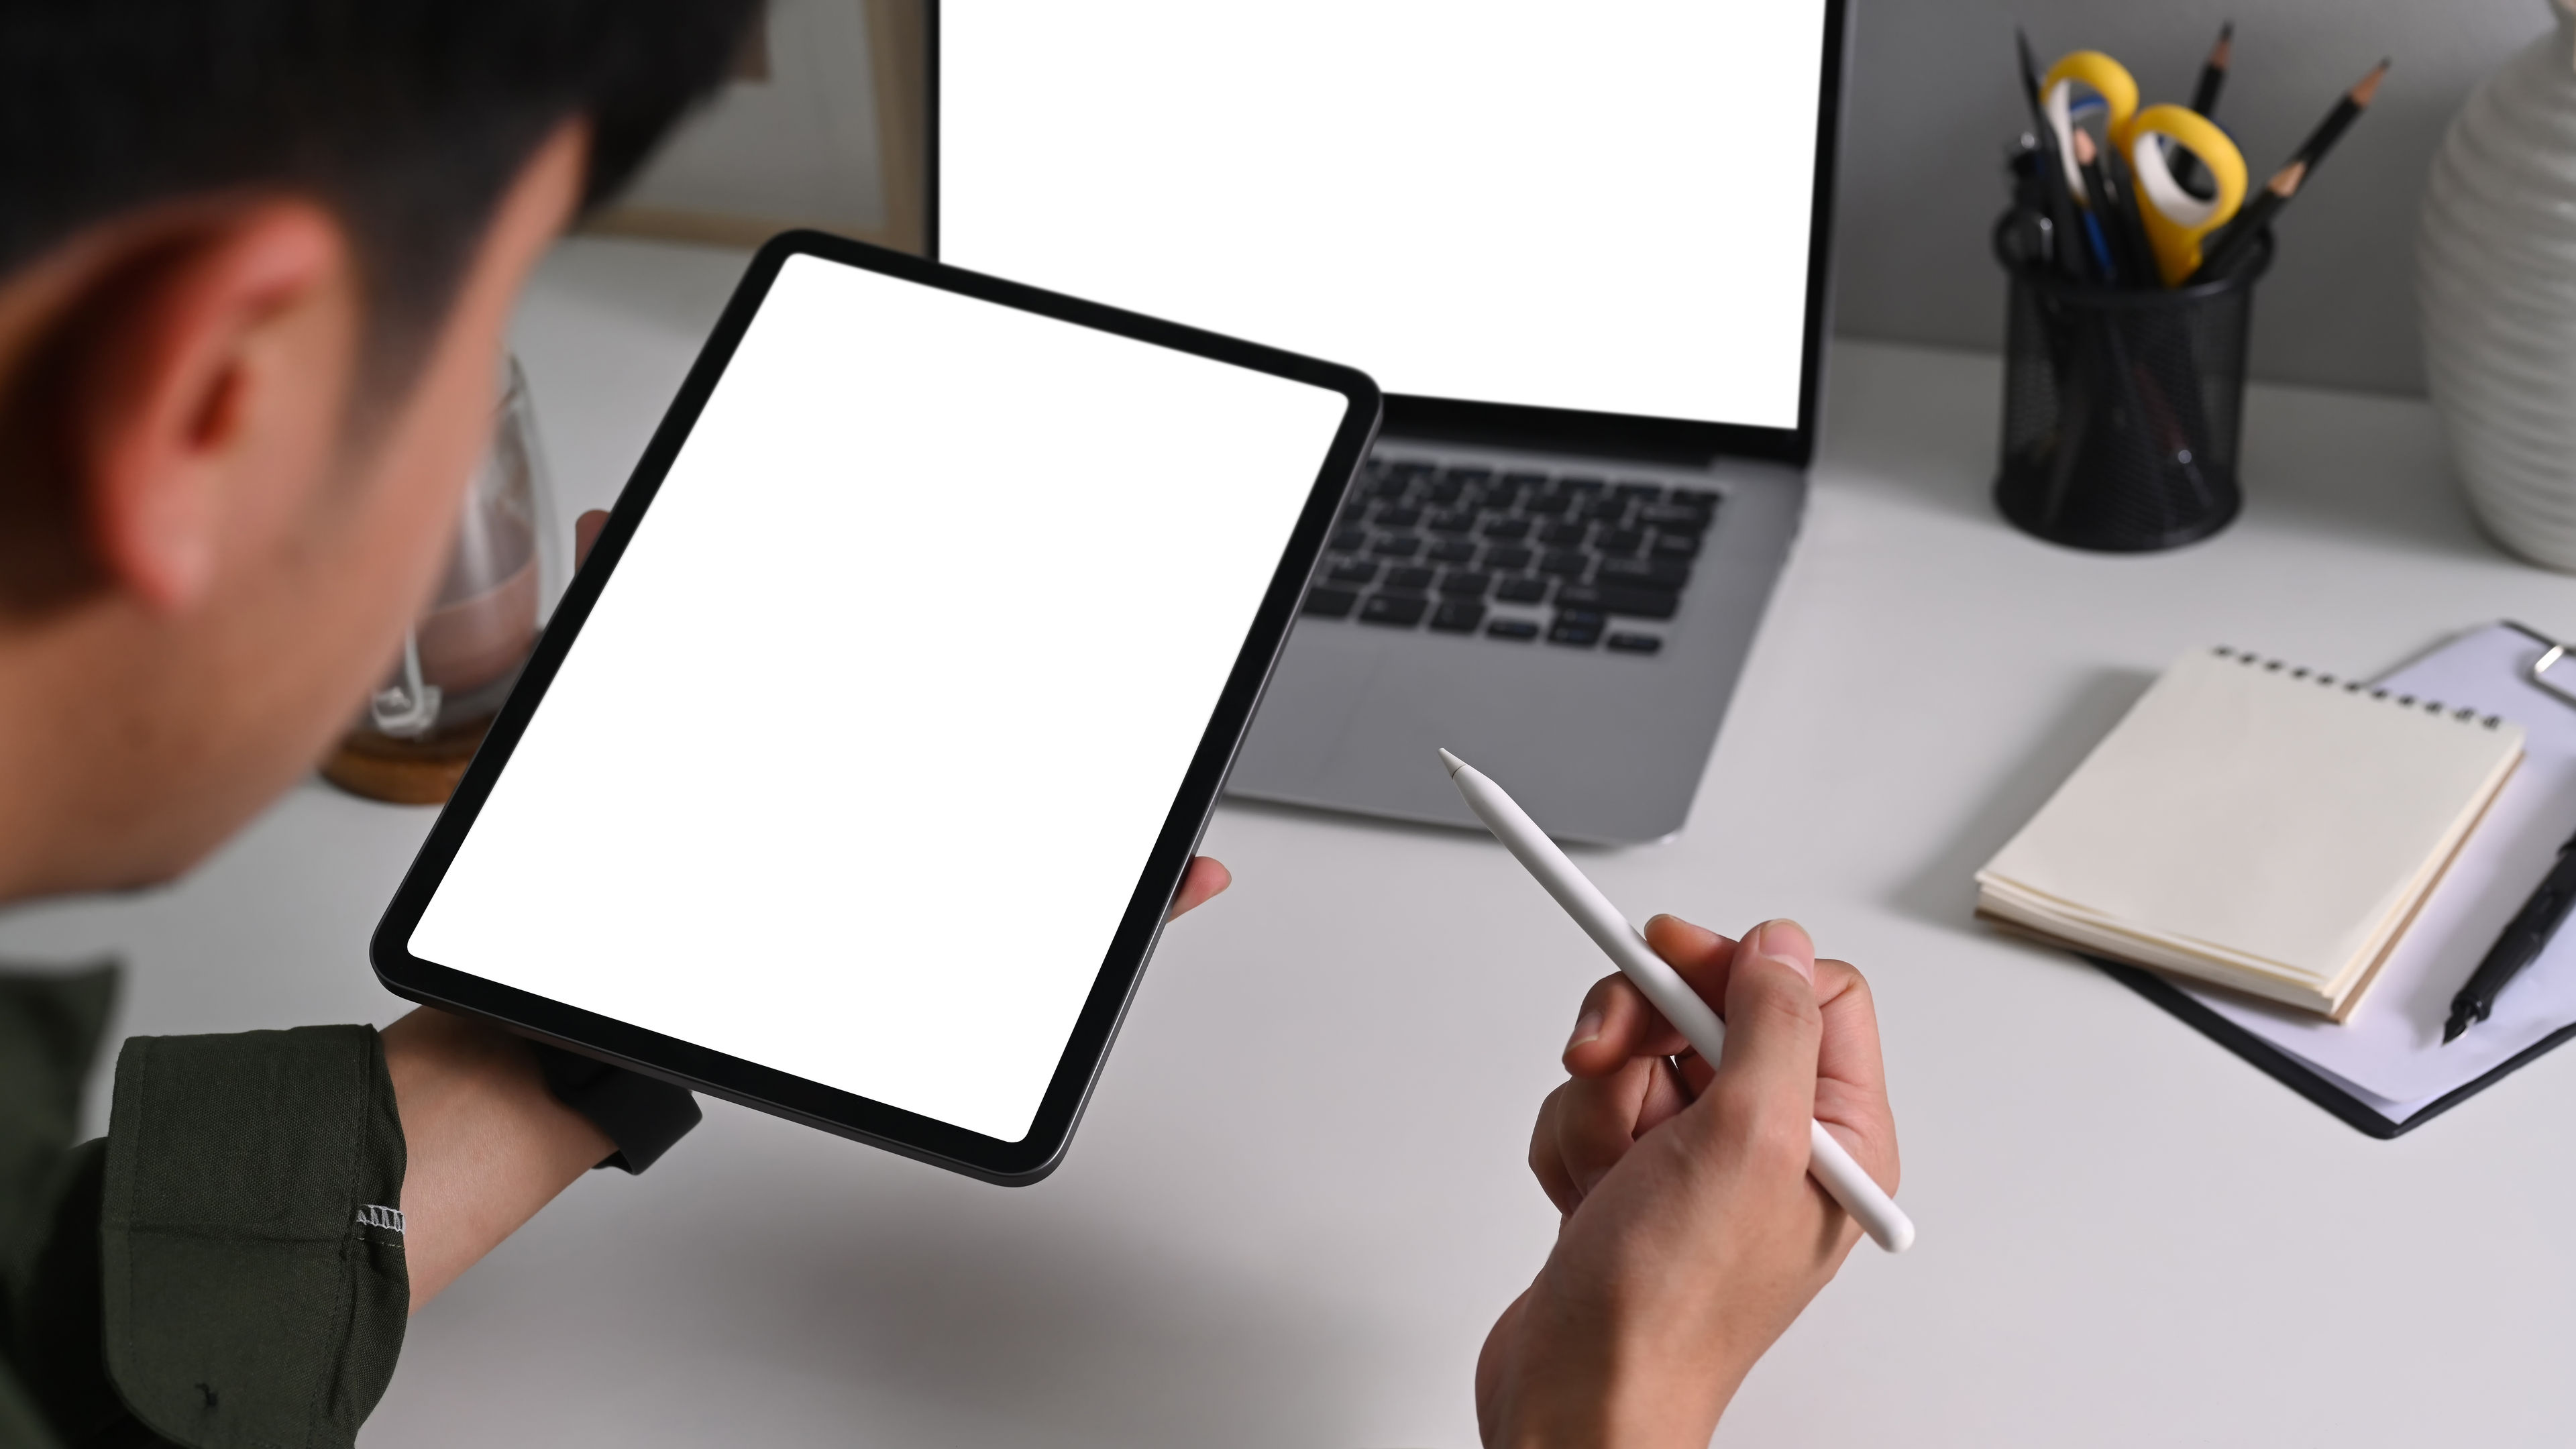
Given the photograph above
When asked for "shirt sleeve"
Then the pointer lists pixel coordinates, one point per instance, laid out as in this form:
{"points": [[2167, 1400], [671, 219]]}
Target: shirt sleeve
{"points": [[250, 1237]]}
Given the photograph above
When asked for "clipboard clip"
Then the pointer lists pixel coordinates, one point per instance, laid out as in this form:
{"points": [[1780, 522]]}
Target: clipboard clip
{"points": [[2550, 657]]}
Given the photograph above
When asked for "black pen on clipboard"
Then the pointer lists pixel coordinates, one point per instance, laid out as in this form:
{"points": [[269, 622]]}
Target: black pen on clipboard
{"points": [[2523, 938]]}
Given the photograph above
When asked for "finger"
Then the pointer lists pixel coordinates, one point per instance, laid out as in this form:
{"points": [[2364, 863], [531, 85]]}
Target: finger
{"points": [[1199, 885], [1851, 1076], [1597, 1118], [1546, 1163], [1698, 953], [585, 534], [1614, 1025], [1765, 1086]]}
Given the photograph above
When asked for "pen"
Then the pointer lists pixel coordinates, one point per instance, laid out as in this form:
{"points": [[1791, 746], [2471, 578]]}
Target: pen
{"points": [[2120, 231], [2519, 943], [2065, 222], [1876, 1212]]}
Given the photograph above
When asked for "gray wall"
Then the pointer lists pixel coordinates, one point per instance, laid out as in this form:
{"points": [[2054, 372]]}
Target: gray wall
{"points": [[1932, 105]]}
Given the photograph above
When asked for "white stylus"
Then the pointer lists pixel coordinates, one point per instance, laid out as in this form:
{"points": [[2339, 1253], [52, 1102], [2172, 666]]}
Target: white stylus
{"points": [[1876, 1212]]}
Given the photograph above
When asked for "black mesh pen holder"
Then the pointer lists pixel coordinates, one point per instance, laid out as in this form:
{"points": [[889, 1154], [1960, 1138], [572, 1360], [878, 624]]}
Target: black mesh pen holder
{"points": [[2122, 408]]}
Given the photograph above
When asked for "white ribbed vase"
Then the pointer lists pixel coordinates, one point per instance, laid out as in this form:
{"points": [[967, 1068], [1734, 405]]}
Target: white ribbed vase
{"points": [[2496, 282]]}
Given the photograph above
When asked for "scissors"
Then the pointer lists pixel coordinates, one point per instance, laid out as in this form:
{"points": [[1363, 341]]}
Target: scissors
{"points": [[2176, 221]]}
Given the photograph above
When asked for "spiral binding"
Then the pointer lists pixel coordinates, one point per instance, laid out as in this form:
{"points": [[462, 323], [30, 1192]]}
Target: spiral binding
{"points": [[2357, 687]]}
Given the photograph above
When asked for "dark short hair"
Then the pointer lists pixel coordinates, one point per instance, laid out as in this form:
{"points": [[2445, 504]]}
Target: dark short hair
{"points": [[408, 118]]}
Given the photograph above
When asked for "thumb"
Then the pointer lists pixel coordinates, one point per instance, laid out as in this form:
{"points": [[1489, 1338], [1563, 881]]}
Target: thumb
{"points": [[1773, 1026]]}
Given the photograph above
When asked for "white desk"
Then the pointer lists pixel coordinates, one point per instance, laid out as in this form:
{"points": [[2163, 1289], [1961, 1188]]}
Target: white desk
{"points": [[1294, 1228]]}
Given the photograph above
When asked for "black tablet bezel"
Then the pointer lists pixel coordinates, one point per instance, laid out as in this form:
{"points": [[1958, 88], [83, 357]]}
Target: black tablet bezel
{"points": [[786, 1095], [1659, 439]]}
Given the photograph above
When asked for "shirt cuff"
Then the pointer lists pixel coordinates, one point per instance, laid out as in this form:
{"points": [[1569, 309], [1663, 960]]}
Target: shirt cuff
{"points": [[250, 1235]]}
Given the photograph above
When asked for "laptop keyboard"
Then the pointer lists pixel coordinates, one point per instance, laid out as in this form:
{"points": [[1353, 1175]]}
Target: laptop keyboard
{"points": [[1577, 560]]}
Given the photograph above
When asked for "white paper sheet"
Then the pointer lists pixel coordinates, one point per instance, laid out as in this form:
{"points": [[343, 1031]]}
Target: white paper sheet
{"points": [[2390, 1050]]}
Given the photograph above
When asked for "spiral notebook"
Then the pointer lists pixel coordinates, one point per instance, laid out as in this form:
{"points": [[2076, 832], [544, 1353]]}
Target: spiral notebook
{"points": [[2256, 825]]}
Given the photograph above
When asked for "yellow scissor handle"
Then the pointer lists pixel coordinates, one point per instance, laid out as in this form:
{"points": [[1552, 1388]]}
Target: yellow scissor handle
{"points": [[2177, 220], [2109, 79]]}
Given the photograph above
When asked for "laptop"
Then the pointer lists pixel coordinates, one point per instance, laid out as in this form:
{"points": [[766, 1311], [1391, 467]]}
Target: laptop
{"points": [[1583, 248]]}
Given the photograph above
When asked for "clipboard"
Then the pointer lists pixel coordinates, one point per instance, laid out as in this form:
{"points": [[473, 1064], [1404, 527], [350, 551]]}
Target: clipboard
{"points": [[2507, 666]]}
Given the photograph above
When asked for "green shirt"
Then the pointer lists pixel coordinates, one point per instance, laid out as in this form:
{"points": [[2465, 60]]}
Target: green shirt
{"points": [[225, 1268]]}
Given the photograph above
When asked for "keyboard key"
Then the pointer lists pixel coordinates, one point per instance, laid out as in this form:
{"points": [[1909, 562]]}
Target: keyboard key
{"points": [[1472, 476], [1551, 505], [1465, 584], [1642, 492], [1411, 468], [1395, 515], [1633, 643], [1673, 517], [1564, 533], [1619, 542], [1564, 562], [1579, 485], [1574, 626], [1611, 599], [1350, 540], [1450, 550], [1525, 480], [1387, 487], [1509, 556], [1676, 545], [1397, 545], [1355, 571], [1660, 573], [1507, 528], [1400, 611], [1522, 591], [1415, 578], [1458, 616], [1520, 630], [1704, 497], [1451, 522], [1331, 603]]}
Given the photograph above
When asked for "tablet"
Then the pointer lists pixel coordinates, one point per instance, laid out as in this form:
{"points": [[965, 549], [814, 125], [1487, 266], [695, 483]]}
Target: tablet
{"points": [[857, 769]]}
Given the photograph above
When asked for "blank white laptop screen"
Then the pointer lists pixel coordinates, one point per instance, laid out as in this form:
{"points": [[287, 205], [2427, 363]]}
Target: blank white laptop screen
{"points": [[1601, 207], [859, 757]]}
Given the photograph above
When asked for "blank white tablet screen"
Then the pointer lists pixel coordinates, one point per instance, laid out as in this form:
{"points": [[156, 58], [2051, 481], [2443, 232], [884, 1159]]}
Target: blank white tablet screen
{"points": [[1599, 206], [859, 757]]}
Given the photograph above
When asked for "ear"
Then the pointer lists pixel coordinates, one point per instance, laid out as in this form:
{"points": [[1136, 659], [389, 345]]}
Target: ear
{"points": [[218, 338]]}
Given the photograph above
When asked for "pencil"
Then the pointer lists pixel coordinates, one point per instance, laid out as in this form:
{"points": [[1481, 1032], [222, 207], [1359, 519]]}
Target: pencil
{"points": [[1828, 1161], [2186, 168], [2213, 71], [2338, 120], [2236, 243]]}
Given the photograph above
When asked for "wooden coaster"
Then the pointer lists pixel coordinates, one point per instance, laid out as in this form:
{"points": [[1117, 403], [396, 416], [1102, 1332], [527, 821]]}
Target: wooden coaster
{"points": [[404, 772]]}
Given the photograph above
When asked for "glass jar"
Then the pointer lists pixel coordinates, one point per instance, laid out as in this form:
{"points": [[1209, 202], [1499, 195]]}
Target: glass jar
{"points": [[411, 742]]}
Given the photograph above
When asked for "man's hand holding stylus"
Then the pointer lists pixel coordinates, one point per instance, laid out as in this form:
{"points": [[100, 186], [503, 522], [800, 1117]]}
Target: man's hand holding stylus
{"points": [[1692, 1235]]}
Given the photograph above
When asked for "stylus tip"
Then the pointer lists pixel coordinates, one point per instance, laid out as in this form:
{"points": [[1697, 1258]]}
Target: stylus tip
{"points": [[1453, 762]]}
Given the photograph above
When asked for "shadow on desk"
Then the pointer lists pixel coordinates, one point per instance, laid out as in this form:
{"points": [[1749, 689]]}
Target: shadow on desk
{"points": [[1944, 892], [842, 1292]]}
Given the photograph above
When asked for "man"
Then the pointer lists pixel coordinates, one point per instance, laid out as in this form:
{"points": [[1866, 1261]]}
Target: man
{"points": [[256, 260]]}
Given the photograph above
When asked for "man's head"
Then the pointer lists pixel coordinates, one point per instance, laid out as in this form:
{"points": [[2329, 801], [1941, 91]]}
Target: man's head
{"points": [[255, 266]]}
